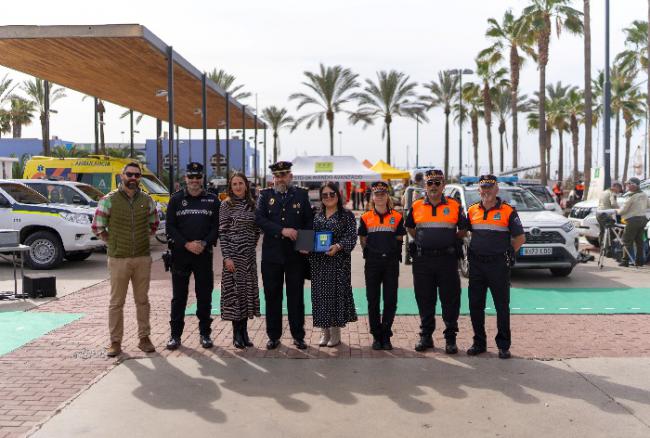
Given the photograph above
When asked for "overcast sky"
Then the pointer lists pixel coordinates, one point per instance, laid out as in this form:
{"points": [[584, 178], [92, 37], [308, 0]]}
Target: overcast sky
{"points": [[269, 44]]}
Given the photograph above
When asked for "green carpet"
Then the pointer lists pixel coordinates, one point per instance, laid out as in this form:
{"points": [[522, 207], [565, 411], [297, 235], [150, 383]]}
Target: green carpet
{"points": [[522, 301], [19, 328]]}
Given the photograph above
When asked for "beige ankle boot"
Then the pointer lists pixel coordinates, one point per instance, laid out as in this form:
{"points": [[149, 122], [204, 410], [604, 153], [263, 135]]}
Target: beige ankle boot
{"points": [[335, 337], [324, 337]]}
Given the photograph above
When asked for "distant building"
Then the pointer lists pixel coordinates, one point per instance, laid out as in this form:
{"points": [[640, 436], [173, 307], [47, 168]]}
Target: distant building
{"points": [[29, 146], [194, 152]]}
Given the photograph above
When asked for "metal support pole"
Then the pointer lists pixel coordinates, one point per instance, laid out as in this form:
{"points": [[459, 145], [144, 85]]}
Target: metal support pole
{"points": [[170, 109], [608, 103], [417, 141], [204, 123], [227, 135], [255, 156], [131, 151], [96, 127], [460, 124], [189, 146], [159, 154], [46, 128], [264, 161], [243, 140], [178, 153]]}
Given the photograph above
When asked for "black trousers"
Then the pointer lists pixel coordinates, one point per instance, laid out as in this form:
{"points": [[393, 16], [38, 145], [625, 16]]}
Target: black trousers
{"points": [[378, 271], [274, 275], [496, 276], [433, 275], [183, 266]]}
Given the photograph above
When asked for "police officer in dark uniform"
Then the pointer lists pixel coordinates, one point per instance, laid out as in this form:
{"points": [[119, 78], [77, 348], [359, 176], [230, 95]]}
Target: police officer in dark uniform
{"points": [[497, 235], [192, 227], [281, 211], [381, 230], [436, 223]]}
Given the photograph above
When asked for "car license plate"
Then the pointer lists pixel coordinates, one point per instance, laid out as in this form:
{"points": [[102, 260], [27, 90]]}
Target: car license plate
{"points": [[536, 251]]}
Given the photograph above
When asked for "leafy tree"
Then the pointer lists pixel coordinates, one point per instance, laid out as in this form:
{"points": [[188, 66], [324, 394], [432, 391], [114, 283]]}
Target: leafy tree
{"points": [[277, 118], [35, 90], [443, 94]]}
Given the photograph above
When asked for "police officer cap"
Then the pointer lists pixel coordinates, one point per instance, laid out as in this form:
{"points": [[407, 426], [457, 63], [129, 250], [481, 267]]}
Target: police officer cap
{"points": [[194, 168], [434, 174], [281, 167], [379, 187], [487, 180]]}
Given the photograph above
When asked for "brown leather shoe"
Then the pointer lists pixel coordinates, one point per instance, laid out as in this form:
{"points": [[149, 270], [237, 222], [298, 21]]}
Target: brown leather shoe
{"points": [[146, 345], [114, 350]]}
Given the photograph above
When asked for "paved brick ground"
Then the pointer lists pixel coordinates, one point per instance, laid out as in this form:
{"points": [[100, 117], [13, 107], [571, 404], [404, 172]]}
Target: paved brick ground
{"points": [[42, 376]]}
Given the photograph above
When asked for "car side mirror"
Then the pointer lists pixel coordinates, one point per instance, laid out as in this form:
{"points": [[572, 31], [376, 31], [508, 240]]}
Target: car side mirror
{"points": [[76, 199]]}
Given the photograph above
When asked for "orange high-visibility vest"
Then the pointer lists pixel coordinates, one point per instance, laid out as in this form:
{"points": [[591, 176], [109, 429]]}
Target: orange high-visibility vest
{"points": [[374, 223], [446, 214], [496, 219]]}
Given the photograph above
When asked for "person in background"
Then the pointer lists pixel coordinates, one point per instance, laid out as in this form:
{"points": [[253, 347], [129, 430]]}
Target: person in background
{"points": [[240, 300], [192, 226], [607, 201], [557, 192], [331, 272], [579, 190], [634, 214], [125, 219], [381, 231]]}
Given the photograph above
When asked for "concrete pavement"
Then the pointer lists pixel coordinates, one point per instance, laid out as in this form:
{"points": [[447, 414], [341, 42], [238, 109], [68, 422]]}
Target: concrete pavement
{"points": [[384, 397]]}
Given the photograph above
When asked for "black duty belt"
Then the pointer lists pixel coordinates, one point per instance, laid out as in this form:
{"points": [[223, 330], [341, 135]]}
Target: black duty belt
{"points": [[380, 255], [487, 258], [451, 251]]}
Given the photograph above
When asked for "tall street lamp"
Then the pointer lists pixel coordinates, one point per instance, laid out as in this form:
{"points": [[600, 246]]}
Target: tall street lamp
{"points": [[340, 142], [608, 104], [460, 72]]}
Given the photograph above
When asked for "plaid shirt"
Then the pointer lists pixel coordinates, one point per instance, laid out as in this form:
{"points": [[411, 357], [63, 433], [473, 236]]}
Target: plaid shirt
{"points": [[103, 212]]}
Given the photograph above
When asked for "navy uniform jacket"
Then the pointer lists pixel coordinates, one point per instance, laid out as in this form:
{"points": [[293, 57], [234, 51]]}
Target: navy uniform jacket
{"points": [[276, 211], [192, 218]]}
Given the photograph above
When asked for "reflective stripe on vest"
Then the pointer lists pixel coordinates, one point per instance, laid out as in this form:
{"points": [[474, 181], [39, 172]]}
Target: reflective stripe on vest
{"points": [[496, 219], [375, 225], [446, 216]]}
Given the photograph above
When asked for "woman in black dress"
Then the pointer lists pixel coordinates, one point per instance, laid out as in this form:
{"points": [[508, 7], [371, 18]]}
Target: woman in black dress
{"points": [[239, 234], [331, 278]]}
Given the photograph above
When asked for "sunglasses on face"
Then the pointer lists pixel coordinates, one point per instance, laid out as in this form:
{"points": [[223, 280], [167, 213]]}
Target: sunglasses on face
{"points": [[326, 195], [434, 182], [133, 174], [194, 176]]}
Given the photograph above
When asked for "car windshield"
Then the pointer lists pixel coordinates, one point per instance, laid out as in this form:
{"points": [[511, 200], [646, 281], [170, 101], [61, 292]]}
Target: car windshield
{"points": [[91, 191], [540, 193], [23, 194], [153, 184], [522, 200]]}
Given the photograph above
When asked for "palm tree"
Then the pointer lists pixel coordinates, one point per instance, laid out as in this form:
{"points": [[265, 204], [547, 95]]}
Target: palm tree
{"points": [[540, 15], [227, 82], [633, 110], [485, 70], [588, 104], [391, 96], [621, 81], [503, 107], [6, 90], [125, 152], [278, 118], [332, 88], [18, 168], [443, 94], [22, 113], [63, 152], [100, 109], [473, 97], [5, 122], [558, 120], [575, 108], [35, 90], [510, 36]]}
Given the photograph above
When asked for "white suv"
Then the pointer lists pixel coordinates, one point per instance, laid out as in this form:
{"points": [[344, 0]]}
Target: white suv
{"points": [[551, 239], [53, 231]]}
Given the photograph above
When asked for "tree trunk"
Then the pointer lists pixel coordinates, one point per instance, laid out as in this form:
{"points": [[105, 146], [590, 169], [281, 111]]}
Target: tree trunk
{"points": [[648, 87], [275, 146], [102, 143], [46, 151], [474, 118], [588, 98], [16, 130], [543, 44], [628, 138], [388, 143], [575, 139], [487, 117], [447, 142], [502, 130], [617, 143], [560, 173], [330, 122], [514, 84], [547, 149]]}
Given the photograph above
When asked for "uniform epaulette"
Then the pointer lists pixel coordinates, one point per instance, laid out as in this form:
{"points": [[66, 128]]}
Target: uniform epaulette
{"points": [[472, 205]]}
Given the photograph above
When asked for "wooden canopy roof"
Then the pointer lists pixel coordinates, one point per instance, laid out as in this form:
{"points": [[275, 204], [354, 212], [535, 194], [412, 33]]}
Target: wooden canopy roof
{"points": [[124, 64]]}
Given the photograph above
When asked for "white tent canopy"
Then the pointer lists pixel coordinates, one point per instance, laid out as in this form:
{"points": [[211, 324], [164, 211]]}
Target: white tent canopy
{"points": [[331, 168]]}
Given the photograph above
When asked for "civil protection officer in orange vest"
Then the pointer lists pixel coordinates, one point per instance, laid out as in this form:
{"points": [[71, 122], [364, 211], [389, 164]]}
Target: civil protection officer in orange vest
{"points": [[497, 235], [381, 230], [436, 223]]}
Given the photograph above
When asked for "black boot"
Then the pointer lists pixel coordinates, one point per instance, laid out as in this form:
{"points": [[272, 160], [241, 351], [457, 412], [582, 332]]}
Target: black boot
{"points": [[237, 338], [247, 340]]}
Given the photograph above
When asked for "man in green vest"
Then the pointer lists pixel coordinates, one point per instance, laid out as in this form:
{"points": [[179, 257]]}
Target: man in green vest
{"points": [[124, 219]]}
